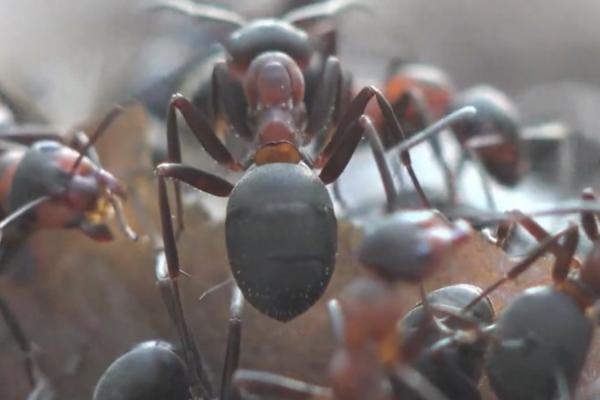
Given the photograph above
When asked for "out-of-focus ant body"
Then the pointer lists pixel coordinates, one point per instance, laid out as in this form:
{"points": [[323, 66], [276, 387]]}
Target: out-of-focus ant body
{"points": [[496, 139], [371, 359], [539, 343], [48, 181], [280, 228], [151, 370]]}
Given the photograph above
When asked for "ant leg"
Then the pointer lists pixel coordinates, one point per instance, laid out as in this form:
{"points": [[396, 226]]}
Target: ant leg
{"points": [[201, 130], [545, 245], [563, 254], [416, 98], [29, 134], [336, 154], [355, 110], [232, 353], [41, 386], [102, 127], [200, 11], [228, 96], [337, 320], [382, 165], [205, 135], [588, 219], [196, 178], [325, 99], [22, 341], [80, 141], [277, 386], [167, 271]]}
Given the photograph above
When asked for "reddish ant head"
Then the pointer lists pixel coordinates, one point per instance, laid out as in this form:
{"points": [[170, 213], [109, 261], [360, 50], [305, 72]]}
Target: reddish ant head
{"points": [[497, 122], [409, 245], [266, 35], [274, 88], [430, 82], [84, 195]]}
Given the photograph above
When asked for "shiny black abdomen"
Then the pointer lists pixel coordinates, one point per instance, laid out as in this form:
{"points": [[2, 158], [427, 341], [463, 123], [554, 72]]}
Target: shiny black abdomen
{"points": [[281, 236]]}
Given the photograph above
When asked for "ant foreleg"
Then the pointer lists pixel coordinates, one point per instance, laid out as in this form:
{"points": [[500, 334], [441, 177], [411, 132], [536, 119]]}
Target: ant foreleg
{"points": [[400, 107], [232, 353], [228, 97], [325, 99], [545, 245], [167, 281], [196, 178], [205, 135]]}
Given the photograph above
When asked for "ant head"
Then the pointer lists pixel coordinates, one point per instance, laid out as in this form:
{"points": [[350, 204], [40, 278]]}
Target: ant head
{"points": [[409, 245], [80, 190], [266, 35], [274, 87], [498, 123], [274, 79], [432, 83]]}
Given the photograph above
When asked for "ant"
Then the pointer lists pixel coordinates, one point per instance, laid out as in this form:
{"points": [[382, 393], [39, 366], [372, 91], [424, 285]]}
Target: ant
{"points": [[305, 31], [281, 230], [371, 360], [539, 342], [151, 370], [496, 140], [48, 182], [406, 246]]}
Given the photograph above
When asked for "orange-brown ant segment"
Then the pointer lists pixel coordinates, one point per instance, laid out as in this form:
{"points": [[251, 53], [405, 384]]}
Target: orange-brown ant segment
{"points": [[278, 153], [432, 83]]}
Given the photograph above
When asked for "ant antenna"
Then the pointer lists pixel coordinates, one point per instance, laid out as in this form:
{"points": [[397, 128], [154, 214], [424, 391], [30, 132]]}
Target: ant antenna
{"points": [[200, 11], [100, 130], [323, 10]]}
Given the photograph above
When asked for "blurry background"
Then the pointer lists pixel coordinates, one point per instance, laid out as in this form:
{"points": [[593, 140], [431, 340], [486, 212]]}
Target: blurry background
{"points": [[72, 60]]}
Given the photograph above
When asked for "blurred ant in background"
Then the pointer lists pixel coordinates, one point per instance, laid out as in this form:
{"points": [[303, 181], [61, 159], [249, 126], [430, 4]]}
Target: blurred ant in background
{"points": [[499, 144], [48, 180]]}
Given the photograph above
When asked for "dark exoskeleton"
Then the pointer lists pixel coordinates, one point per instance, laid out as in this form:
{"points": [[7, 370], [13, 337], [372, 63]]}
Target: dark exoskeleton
{"points": [[279, 188], [539, 342], [51, 181]]}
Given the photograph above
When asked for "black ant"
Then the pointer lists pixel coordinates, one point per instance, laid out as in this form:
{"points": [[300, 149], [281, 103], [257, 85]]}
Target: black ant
{"points": [[539, 342], [406, 246], [306, 33], [48, 181], [151, 370], [280, 227]]}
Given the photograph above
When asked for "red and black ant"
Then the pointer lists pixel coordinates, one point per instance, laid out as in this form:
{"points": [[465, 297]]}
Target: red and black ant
{"points": [[48, 181], [280, 227], [495, 140]]}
